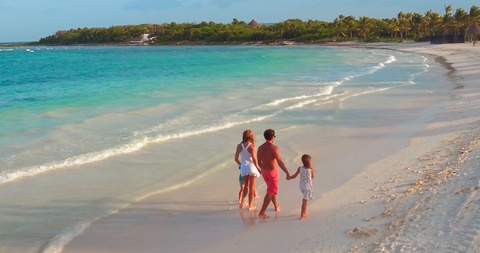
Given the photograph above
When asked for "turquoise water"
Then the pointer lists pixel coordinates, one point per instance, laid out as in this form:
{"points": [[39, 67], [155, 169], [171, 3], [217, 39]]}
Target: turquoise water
{"points": [[84, 130], [45, 89]]}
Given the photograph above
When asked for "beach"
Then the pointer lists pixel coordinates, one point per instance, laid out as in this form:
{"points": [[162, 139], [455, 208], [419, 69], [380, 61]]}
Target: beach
{"points": [[404, 181]]}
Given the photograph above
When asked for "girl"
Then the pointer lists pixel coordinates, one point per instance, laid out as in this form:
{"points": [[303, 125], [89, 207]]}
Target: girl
{"points": [[306, 175]]}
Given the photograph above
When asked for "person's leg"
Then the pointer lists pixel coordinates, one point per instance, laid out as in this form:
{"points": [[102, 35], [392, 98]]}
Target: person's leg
{"points": [[275, 204], [303, 215], [273, 189], [251, 188], [255, 193], [266, 202], [244, 191], [240, 192]]}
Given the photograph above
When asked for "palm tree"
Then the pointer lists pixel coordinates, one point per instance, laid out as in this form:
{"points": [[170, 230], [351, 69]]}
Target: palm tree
{"points": [[380, 25], [402, 24], [409, 25], [447, 19], [474, 15], [351, 24], [416, 24], [393, 27], [437, 22], [426, 20], [460, 21], [364, 26], [340, 26]]}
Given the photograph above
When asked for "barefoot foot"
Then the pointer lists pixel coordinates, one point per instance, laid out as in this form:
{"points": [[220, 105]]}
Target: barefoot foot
{"points": [[252, 208], [263, 216]]}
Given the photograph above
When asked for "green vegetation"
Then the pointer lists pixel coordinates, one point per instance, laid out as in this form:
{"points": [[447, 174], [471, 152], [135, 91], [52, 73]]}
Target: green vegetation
{"points": [[406, 26]]}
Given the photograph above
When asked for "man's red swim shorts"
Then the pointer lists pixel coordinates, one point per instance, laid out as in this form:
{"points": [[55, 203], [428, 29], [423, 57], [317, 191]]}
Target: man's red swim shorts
{"points": [[271, 179]]}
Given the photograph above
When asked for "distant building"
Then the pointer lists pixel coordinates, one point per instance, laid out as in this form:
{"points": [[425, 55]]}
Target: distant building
{"points": [[144, 39], [253, 24]]}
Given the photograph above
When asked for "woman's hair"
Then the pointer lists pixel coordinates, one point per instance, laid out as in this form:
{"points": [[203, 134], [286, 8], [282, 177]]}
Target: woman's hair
{"points": [[248, 136], [306, 160]]}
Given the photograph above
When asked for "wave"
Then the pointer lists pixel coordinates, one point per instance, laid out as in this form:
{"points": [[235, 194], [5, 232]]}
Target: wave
{"points": [[140, 138], [226, 122]]}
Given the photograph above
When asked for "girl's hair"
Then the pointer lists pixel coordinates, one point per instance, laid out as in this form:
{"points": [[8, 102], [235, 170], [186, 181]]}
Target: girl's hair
{"points": [[248, 136], [306, 160]]}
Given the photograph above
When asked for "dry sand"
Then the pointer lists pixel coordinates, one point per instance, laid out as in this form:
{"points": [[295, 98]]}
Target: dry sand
{"points": [[423, 197]]}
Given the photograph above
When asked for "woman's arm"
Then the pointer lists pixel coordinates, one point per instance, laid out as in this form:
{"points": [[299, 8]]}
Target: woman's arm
{"points": [[252, 152], [237, 153]]}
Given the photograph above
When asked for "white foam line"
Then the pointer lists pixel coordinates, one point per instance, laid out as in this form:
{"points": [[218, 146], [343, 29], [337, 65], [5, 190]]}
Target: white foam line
{"points": [[8, 176], [371, 70], [373, 91], [72, 161], [299, 105], [328, 91]]}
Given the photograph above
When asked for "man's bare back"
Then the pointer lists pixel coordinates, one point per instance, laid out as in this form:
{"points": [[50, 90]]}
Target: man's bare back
{"points": [[268, 156]]}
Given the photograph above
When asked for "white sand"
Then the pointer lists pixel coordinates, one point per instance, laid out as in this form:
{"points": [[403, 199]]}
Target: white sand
{"points": [[423, 197]]}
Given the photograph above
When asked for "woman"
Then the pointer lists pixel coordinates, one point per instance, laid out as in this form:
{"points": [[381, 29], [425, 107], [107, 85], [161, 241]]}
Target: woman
{"points": [[246, 157]]}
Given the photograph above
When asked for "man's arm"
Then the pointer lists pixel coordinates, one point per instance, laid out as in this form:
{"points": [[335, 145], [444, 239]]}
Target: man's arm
{"points": [[280, 162]]}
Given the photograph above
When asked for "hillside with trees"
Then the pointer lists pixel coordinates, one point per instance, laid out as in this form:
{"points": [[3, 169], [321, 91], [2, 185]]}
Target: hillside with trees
{"points": [[406, 26]]}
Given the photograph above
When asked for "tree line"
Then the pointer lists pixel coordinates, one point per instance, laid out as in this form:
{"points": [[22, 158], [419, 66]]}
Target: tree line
{"points": [[406, 26]]}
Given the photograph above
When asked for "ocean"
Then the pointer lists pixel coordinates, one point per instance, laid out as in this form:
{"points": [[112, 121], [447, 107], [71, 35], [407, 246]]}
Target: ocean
{"points": [[86, 131]]}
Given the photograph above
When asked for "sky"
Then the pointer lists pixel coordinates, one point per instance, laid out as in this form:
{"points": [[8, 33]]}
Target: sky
{"points": [[31, 20]]}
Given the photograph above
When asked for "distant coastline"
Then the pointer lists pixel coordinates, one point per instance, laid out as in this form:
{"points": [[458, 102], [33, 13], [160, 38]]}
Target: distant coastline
{"points": [[10, 44], [353, 43]]}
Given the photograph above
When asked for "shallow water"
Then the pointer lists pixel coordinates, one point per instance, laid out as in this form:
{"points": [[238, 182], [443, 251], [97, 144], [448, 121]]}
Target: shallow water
{"points": [[89, 130]]}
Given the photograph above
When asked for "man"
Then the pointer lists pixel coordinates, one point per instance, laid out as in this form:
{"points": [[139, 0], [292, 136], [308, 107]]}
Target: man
{"points": [[268, 156]]}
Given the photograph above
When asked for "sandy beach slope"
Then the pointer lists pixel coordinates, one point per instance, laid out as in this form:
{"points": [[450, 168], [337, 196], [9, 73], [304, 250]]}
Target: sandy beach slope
{"points": [[421, 197]]}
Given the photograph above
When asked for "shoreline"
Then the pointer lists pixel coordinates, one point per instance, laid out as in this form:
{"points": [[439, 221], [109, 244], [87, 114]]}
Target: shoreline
{"points": [[346, 218], [352, 43], [402, 209], [420, 202]]}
